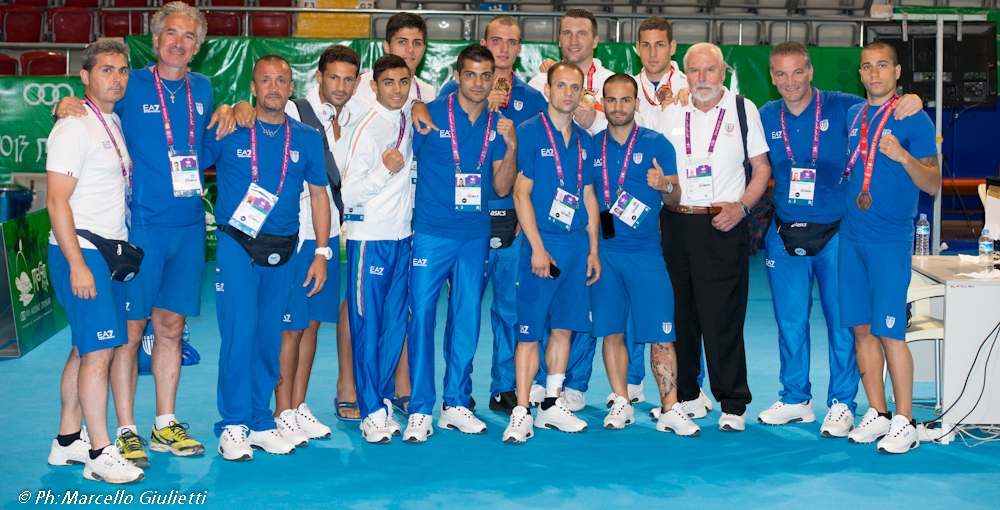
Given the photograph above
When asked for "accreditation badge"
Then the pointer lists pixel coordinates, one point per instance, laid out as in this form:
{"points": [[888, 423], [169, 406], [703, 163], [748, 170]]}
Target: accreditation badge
{"points": [[468, 192], [802, 185], [354, 212], [253, 210], [184, 173], [699, 179], [630, 210], [564, 207]]}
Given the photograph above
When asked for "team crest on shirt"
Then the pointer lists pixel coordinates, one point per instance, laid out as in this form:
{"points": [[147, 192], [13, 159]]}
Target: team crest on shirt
{"points": [[668, 327], [200, 107], [729, 127], [637, 157], [493, 135], [890, 321], [518, 105], [824, 124], [584, 153], [294, 155]]}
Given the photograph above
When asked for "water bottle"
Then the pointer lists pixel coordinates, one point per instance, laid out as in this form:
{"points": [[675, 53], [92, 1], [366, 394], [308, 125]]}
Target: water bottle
{"points": [[985, 251], [923, 237], [186, 335]]}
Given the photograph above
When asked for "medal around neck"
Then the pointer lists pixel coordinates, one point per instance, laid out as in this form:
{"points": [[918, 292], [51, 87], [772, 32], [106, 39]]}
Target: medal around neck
{"points": [[502, 85], [864, 200]]}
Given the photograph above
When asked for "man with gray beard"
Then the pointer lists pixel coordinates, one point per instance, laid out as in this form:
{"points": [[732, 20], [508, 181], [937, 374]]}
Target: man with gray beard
{"points": [[705, 238]]}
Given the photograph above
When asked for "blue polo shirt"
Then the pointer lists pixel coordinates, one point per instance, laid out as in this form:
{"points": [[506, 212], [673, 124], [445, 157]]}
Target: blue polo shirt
{"points": [[153, 200], [535, 160], [434, 208], [894, 196], [231, 157], [828, 200], [525, 103], [649, 145]]}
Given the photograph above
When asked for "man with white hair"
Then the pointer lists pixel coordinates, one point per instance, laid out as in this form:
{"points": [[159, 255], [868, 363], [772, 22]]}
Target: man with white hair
{"points": [[705, 238]]}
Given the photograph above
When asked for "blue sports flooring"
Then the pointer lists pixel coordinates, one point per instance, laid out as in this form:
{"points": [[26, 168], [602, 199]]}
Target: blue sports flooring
{"points": [[773, 467]]}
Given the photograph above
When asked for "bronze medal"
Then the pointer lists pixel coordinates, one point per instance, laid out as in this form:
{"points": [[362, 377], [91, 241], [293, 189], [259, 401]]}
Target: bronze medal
{"points": [[864, 200], [589, 97]]}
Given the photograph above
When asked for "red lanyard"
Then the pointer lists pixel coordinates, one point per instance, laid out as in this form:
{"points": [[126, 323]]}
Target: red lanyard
{"points": [[643, 86], [604, 159], [784, 132], [555, 154], [284, 162], [166, 116], [417, 85], [869, 156], [126, 173], [590, 76], [402, 130], [715, 134], [454, 136], [863, 142]]}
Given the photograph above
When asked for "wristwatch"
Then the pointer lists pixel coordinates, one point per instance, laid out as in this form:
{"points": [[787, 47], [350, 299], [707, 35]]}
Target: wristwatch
{"points": [[325, 251], [670, 188], [746, 210]]}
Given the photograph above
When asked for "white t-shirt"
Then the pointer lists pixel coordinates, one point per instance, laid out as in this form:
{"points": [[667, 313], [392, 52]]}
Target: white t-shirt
{"points": [[728, 178], [81, 148], [306, 231], [649, 105]]}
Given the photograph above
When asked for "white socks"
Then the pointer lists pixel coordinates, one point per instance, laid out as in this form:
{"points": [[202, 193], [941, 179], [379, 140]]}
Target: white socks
{"points": [[121, 430], [163, 421], [553, 384]]}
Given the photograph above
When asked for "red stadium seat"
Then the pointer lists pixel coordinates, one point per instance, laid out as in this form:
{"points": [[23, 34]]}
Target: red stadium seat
{"points": [[92, 4], [21, 23], [43, 63], [276, 3], [271, 24], [70, 24], [224, 23], [130, 3], [115, 24], [35, 3], [8, 65], [228, 3]]}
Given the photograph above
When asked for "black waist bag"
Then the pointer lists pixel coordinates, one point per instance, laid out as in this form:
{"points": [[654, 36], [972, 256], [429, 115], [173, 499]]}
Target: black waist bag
{"points": [[265, 250], [123, 258], [806, 239], [503, 228]]}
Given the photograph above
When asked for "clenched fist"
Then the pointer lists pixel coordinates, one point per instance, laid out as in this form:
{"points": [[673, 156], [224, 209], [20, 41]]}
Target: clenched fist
{"points": [[546, 65], [506, 129], [393, 160]]}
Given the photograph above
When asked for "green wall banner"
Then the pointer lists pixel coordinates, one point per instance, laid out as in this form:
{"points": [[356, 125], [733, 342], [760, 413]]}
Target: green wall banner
{"points": [[29, 311], [26, 103]]}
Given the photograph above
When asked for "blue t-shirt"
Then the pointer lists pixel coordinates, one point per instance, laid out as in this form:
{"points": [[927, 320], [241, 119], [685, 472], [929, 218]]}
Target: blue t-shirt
{"points": [[828, 199], [434, 207], [536, 161], [153, 200], [649, 145], [894, 196], [231, 157], [525, 103]]}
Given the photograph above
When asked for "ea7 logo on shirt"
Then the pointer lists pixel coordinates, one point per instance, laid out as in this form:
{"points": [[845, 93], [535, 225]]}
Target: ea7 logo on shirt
{"points": [[242, 153], [769, 263], [419, 262], [150, 108], [220, 287], [376, 270], [523, 329], [854, 132], [775, 135], [445, 133], [287, 318], [294, 155], [547, 153], [106, 335]]}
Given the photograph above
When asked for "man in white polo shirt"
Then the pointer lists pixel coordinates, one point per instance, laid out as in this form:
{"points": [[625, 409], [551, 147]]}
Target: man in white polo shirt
{"points": [[706, 237]]}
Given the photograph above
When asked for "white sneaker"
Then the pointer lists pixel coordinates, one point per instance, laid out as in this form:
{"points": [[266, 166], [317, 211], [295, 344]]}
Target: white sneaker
{"points": [[288, 427], [559, 417], [460, 418], [839, 421], [732, 423], [536, 395], [309, 424], [521, 427], [271, 441], [418, 428], [375, 429], [76, 453], [696, 409], [233, 444], [621, 414], [902, 436], [781, 413], [677, 421], [575, 399], [705, 401], [873, 427], [635, 394], [391, 422], [111, 467]]}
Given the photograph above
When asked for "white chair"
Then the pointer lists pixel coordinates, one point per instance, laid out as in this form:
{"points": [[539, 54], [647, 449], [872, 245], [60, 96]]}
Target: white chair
{"points": [[444, 27], [923, 327]]}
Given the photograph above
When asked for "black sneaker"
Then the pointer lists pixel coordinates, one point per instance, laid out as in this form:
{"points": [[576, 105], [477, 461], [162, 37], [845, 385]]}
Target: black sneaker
{"points": [[505, 402]]}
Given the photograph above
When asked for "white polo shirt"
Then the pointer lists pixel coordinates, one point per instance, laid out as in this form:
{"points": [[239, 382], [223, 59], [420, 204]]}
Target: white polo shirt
{"points": [[728, 178], [601, 74], [649, 105], [81, 148]]}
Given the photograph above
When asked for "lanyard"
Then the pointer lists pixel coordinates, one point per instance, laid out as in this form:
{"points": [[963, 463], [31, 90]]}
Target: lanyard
{"points": [[284, 161], [126, 173], [643, 86], [590, 76], [864, 132], [784, 132], [454, 136], [604, 159], [417, 85], [715, 134], [869, 155], [402, 130], [166, 116], [555, 154]]}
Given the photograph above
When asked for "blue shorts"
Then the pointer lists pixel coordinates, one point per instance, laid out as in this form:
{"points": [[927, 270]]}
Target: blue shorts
{"points": [[95, 324], [321, 307], [874, 278], [170, 275], [635, 282], [563, 303]]}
